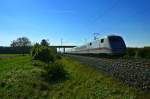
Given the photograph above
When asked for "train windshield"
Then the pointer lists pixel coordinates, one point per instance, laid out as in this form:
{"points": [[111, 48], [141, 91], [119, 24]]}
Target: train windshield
{"points": [[116, 42]]}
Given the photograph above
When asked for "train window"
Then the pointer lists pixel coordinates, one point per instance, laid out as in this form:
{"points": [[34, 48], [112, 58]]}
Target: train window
{"points": [[115, 39], [102, 40], [90, 43]]}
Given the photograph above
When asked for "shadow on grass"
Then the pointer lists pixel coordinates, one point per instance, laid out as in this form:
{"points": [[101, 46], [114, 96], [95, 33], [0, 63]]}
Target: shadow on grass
{"points": [[55, 78], [38, 63], [55, 73]]}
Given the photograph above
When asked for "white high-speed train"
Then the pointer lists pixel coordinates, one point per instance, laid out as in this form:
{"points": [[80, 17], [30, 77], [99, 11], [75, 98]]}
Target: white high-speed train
{"points": [[111, 45]]}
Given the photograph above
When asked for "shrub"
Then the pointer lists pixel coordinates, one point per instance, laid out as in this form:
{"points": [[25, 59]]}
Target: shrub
{"points": [[38, 63], [147, 51], [43, 53], [55, 72], [35, 49], [144, 53], [138, 52], [58, 56], [131, 52]]}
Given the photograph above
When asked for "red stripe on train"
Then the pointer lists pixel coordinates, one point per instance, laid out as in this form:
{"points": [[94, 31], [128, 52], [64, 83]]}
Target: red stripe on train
{"points": [[104, 48]]}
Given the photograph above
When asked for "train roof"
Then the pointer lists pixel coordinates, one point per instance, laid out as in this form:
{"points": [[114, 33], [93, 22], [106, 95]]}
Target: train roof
{"points": [[112, 35], [107, 36]]}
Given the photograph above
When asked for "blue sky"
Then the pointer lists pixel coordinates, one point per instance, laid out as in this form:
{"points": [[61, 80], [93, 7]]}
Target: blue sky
{"points": [[75, 21]]}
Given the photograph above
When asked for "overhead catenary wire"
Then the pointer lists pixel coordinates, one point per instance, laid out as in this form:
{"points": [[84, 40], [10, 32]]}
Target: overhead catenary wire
{"points": [[109, 9]]}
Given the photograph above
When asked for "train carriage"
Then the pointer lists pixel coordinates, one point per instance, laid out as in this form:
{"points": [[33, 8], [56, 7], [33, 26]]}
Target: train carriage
{"points": [[111, 44]]}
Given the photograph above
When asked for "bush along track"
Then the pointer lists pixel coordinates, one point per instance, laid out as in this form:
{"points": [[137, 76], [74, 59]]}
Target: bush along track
{"points": [[53, 70]]}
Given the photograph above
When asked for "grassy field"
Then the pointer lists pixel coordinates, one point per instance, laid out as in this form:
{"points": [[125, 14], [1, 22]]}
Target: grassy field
{"points": [[10, 55], [20, 79]]}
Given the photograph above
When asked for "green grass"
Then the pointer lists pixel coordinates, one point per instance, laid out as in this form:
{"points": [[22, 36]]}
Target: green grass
{"points": [[10, 54], [20, 79]]}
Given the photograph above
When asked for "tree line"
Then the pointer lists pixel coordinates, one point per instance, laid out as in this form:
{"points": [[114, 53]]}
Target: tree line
{"points": [[21, 45]]}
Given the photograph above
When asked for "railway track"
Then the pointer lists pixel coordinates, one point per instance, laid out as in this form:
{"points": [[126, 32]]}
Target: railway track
{"points": [[134, 72]]}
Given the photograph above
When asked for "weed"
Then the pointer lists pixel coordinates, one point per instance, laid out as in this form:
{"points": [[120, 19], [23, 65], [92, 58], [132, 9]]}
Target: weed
{"points": [[55, 72]]}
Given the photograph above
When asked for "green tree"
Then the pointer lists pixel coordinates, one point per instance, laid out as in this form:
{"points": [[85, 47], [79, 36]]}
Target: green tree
{"points": [[43, 53], [44, 42], [22, 43], [35, 49]]}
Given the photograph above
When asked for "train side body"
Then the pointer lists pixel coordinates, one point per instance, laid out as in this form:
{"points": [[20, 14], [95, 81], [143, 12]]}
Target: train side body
{"points": [[113, 45]]}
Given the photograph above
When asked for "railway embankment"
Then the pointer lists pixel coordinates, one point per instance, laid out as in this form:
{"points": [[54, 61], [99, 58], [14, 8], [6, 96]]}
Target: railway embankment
{"points": [[134, 72]]}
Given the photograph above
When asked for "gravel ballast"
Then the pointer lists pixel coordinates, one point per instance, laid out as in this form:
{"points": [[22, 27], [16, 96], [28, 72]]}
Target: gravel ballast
{"points": [[134, 72]]}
